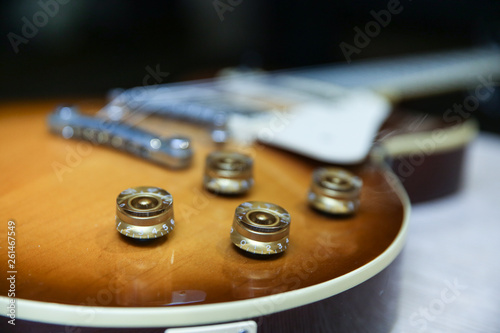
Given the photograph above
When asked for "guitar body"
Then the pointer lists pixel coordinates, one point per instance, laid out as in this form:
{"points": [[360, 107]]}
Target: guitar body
{"points": [[67, 269], [74, 270], [368, 307], [427, 153]]}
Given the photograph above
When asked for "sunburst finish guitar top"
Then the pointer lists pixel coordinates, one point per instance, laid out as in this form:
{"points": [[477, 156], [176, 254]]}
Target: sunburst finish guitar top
{"points": [[61, 195]]}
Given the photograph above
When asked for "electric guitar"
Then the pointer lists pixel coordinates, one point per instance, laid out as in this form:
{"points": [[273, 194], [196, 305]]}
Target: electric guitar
{"points": [[70, 270]]}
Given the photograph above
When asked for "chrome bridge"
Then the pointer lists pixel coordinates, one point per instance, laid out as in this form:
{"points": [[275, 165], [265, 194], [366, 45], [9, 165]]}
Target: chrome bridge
{"points": [[173, 152]]}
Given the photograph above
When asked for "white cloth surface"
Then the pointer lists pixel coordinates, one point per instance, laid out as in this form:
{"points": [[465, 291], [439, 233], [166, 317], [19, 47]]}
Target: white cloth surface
{"points": [[450, 274]]}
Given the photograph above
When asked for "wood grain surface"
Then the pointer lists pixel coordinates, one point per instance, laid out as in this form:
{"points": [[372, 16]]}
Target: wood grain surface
{"points": [[61, 194]]}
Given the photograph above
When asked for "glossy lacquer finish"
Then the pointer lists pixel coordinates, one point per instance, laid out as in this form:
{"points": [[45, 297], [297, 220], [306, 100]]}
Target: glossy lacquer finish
{"points": [[368, 307], [61, 193]]}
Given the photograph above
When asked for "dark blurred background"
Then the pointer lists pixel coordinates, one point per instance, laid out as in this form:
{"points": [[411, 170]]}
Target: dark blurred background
{"points": [[85, 48]]}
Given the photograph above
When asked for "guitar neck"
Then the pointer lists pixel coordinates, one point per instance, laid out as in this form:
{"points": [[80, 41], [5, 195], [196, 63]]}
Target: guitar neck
{"points": [[413, 76]]}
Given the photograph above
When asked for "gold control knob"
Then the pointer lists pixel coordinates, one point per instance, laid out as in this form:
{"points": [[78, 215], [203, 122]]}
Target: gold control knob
{"points": [[260, 228], [228, 173], [334, 191], [144, 212]]}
